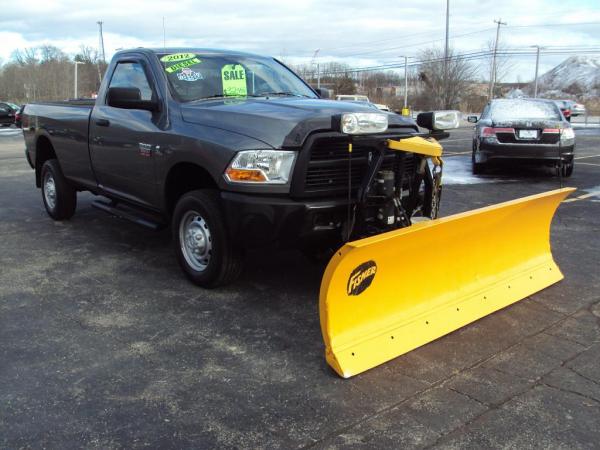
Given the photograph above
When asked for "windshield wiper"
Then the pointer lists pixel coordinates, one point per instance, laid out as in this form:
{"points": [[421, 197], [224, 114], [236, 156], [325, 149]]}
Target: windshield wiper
{"points": [[210, 97], [291, 94]]}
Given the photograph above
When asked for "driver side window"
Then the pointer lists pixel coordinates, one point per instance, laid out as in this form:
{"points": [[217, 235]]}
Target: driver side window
{"points": [[131, 74]]}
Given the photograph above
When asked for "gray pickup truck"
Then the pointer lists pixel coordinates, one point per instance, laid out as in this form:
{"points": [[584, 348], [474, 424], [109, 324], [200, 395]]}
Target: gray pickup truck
{"points": [[233, 151]]}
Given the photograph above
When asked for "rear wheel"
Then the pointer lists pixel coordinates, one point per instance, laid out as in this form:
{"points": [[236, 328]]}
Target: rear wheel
{"points": [[60, 198], [567, 169], [203, 249]]}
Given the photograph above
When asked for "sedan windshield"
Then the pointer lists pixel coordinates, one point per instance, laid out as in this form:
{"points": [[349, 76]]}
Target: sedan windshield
{"points": [[194, 76], [521, 109]]}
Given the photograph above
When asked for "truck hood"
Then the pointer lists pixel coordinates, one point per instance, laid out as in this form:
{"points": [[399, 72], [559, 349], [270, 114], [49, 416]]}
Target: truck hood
{"points": [[279, 122]]}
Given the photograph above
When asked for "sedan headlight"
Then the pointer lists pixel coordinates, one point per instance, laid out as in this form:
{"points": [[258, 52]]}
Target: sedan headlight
{"points": [[363, 123], [261, 166]]}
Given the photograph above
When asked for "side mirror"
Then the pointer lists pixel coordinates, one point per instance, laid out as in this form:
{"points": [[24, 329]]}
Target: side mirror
{"points": [[472, 119], [438, 120], [323, 93], [129, 98]]}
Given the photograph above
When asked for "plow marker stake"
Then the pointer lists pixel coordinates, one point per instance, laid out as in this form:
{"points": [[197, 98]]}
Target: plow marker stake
{"points": [[385, 295]]}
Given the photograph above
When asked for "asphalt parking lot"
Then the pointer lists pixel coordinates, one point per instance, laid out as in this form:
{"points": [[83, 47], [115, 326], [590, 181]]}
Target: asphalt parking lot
{"points": [[104, 344]]}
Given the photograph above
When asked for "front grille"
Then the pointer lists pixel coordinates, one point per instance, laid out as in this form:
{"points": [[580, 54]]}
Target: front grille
{"points": [[326, 170]]}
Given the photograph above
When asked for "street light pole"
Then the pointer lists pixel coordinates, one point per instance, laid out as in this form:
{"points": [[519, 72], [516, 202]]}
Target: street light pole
{"points": [[406, 82], [75, 87], [312, 63], [537, 65], [318, 76], [405, 108]]}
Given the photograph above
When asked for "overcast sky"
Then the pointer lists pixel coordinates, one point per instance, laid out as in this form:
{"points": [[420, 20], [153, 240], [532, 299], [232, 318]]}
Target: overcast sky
{"points": [[361, 33]]}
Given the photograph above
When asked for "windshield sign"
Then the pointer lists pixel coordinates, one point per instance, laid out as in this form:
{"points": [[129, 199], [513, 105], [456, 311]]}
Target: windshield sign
{"points": [[195, 77]]}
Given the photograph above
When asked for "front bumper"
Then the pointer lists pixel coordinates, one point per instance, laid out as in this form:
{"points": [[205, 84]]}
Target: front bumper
{"points": [[256, 221]]}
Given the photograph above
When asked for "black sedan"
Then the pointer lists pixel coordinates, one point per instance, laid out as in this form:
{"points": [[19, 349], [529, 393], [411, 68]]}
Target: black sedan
{"points": [[7, 114], [522, 131]]}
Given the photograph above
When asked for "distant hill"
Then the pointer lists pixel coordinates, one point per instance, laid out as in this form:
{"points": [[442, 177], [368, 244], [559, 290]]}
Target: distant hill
{"points": [[577, 75]]}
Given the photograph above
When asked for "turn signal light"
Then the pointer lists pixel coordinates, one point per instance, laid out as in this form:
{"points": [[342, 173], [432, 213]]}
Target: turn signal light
{"points": [[245, 175]]}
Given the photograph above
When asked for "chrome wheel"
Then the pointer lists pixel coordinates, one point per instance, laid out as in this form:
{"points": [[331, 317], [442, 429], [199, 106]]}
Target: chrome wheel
{"points": [[50, 190], [195, 240]]}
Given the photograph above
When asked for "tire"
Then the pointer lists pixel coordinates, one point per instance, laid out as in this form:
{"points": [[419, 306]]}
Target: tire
{"points": [[207, 256], [567, 169], [59, 197], [477, 168]]}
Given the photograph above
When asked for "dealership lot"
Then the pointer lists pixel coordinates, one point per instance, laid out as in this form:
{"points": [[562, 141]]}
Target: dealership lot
{"points": [[104, 343]]}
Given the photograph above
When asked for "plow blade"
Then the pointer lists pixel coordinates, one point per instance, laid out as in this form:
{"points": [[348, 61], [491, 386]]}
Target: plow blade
{"points": [[385, 295]]}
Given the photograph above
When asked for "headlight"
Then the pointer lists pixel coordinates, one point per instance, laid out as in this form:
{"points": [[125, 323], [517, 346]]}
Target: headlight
{"points": [[363, 123], [261, 166]]}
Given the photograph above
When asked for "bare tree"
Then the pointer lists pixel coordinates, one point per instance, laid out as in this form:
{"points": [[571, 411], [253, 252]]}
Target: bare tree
{"points": [[443, 91]]}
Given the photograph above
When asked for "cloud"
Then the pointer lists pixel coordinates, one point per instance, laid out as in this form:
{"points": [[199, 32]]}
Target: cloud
{"points": [[371, 33]]}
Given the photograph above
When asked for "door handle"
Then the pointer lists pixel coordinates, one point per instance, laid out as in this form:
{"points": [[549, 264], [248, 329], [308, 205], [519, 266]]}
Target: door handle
{"points": [[103, 122]]}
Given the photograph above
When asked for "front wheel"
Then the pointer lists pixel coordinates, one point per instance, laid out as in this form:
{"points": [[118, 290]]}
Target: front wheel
{"points": [[60, 199], [477, 168], [203, 248]]}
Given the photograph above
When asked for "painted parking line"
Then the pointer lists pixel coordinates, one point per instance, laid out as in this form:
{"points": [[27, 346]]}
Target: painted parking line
{"points": [[583, 197], [456, 153], [587, 156], [456, 140], [588, 164]]}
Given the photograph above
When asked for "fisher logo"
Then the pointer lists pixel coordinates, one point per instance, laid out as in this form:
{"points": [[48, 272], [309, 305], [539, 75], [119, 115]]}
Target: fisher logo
{"points": [[361, 278]]}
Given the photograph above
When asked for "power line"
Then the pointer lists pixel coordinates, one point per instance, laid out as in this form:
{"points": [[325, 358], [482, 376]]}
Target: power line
{"points": [[472, 56], [409, 36], [416, 44]]}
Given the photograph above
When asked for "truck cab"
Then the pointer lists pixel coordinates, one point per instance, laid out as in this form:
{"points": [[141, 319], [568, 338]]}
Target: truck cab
{"points": [[233, 150]]}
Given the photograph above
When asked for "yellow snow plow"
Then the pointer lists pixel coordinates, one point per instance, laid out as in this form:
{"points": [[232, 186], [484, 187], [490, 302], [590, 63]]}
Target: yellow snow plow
{"points": [[391, 292]]}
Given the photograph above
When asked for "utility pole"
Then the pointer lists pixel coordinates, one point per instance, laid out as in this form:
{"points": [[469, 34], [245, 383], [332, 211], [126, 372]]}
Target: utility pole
{"points": [[493, 73], [75, 84], [537, 65], [101, 43], [446, 50]]}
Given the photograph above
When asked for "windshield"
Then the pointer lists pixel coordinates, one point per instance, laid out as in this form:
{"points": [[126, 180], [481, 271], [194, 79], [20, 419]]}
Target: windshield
{"points": [[523, 109], [194, 76]]}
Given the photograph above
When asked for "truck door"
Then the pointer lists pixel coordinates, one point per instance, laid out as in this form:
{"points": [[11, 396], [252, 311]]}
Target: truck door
{"points": [[122, 140]]}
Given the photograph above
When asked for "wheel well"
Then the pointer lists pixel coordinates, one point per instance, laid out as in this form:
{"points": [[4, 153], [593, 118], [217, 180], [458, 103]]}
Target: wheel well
{"points": [[182, 178], [43, 152]]}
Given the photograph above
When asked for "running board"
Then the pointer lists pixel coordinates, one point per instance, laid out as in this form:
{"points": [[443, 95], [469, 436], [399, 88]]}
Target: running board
{"points": [[142, 218]]}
